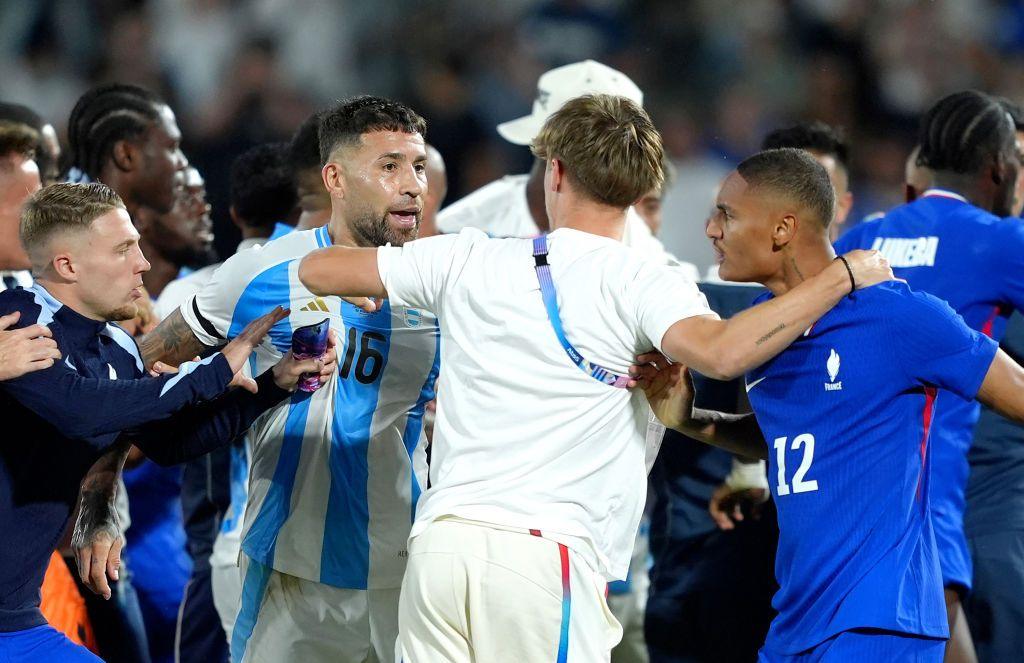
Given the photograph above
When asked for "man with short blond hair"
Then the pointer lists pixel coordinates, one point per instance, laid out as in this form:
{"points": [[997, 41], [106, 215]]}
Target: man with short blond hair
{"points": [[527, 517], [88, 266]]}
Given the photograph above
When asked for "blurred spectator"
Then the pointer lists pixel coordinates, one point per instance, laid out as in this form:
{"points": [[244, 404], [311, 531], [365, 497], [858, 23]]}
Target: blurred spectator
{"points": [[47, 153]]}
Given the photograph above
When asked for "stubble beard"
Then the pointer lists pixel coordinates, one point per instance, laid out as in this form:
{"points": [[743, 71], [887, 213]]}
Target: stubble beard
{"points": [[370, 230]]}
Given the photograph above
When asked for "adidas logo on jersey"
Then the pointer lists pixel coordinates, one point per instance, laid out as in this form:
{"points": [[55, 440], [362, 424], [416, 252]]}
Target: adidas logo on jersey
{"points": [[832, 366], [316, 305], [908, 252]]}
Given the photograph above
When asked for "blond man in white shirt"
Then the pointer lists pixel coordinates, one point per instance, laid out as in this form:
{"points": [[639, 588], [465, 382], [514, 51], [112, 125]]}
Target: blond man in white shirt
{"points": [[538, 467]]}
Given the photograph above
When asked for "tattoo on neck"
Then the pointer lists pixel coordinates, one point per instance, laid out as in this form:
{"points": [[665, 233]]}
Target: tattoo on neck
{"points": [[773, 332], [796, 269]]}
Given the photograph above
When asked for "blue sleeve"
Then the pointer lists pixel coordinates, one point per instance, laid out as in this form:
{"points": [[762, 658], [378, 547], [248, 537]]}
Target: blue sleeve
{"points": [[936, 347], [199, 429], [83, 407], [1010, 266]]}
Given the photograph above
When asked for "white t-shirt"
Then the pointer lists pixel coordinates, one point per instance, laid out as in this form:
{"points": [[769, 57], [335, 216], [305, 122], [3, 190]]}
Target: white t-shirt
{"points": [[523, 438], [500, 210]]}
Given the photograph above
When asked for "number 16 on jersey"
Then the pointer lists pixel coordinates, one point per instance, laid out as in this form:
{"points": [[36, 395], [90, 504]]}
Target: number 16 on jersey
{"points": [[803, 442]]}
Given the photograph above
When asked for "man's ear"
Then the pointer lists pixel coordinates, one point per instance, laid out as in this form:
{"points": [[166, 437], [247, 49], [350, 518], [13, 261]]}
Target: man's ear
{"points": [[334, 179], [126, 156], [784, 230], [557, 174], [64, 265]]}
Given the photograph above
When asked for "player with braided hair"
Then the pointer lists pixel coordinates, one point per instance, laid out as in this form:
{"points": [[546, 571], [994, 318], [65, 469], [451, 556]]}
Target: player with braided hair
{"points": [[128, 138], [952, 242]]}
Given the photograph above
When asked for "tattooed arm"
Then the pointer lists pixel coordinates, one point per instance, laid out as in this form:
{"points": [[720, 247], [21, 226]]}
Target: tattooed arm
{"points": [[97, 538], [172, 342], [726, 349]]}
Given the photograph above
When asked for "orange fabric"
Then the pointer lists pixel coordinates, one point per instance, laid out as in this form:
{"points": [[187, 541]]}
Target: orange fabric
{"points": [[63, 605]]}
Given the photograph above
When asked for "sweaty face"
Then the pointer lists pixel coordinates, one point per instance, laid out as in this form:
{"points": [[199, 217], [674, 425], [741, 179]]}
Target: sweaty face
{"points": [[384, 182], [109, 265], [162, 160], [19, 179], [740, 231]]}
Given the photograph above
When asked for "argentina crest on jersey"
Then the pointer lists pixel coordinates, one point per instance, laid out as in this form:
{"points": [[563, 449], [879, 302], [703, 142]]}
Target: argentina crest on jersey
{"points": [[413, 317]]}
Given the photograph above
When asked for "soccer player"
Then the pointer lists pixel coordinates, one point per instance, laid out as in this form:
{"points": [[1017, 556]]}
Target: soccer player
{"points": [[992, 520], [88, 267], [845, 417], [538, 472], [335, 477], [952, 242]]}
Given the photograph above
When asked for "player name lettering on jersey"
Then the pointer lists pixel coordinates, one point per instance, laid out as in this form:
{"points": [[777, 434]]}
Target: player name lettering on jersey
{"points": [[908, 251]]}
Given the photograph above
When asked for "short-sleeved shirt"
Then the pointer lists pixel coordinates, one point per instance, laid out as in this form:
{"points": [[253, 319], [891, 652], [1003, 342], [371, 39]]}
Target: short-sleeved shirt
{"points": [[523, 438], [974, 260], [846, 412], [335, 474]]}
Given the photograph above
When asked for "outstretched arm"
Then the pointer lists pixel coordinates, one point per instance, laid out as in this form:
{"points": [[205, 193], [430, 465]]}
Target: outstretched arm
{"points": [[199, 429], [669, 390], [172, 342], [726, 349], [342, 271]]}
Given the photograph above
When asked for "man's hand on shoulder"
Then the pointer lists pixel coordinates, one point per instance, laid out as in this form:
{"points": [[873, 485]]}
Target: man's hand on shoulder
{"points": [[25, 350]]}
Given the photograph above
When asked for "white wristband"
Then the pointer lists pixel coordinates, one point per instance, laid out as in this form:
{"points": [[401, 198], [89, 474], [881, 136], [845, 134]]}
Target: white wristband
{"points": [[747, 475]]}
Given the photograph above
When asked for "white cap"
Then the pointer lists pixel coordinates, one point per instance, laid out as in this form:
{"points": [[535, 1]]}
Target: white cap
{"points": [[562, 84]]}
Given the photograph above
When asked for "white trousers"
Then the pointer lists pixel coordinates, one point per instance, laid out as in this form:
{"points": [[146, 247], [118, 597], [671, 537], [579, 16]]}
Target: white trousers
{"points": [[285, 618], [474, 593], [226, 583]]}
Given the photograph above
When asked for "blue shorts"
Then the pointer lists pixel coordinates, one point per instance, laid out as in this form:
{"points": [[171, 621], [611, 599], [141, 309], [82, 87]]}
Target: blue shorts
{"points": [[864, 646], [42, 643]]}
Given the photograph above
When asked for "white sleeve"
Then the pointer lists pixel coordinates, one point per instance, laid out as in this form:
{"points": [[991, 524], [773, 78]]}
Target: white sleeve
{"points": [[211, 310], [663, 296], [415, 274]]}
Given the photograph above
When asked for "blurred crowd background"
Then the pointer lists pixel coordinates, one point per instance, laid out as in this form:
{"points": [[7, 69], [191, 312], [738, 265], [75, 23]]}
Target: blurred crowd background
{"points": [[717, 74]]}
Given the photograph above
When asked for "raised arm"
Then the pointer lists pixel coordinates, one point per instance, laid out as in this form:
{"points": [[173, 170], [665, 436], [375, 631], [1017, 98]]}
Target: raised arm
{"points": [[726, 349]]}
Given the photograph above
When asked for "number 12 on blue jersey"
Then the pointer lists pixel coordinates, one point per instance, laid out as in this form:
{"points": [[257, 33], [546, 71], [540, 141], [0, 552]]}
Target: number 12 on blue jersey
{"points": [[800, 485]]}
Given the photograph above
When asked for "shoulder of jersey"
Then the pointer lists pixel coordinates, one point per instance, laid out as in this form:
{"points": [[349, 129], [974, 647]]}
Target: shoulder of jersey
{"points": [[286, 247]]}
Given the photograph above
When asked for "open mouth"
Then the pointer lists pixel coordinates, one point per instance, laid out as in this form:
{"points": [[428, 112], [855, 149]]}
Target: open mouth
{"points": [[404, 218]]}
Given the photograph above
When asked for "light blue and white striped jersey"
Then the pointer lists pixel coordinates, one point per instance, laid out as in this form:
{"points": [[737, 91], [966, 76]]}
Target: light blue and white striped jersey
{"points": [[335, 474]]}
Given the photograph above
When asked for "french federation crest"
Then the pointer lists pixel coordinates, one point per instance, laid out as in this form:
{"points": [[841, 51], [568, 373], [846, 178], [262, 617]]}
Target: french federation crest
{"points": [[832, 366]]}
